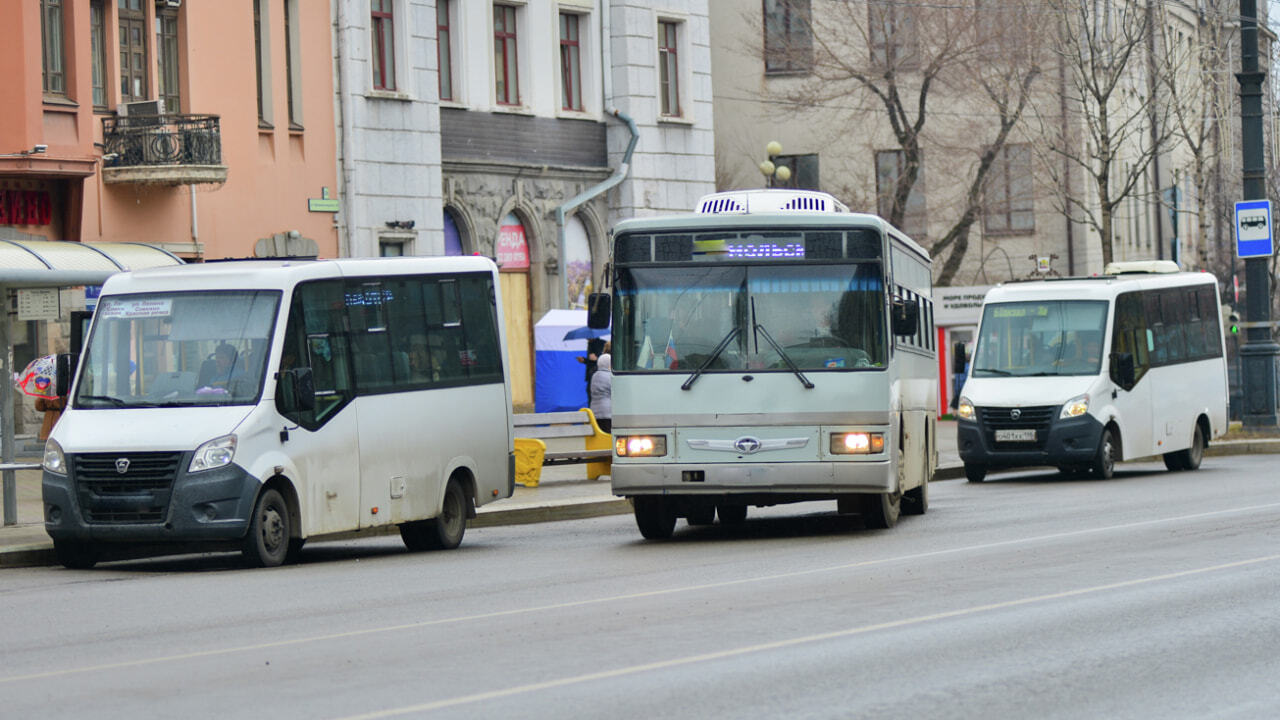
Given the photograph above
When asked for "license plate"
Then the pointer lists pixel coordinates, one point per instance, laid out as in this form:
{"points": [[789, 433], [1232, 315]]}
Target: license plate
{"points": [[1015, 436]]}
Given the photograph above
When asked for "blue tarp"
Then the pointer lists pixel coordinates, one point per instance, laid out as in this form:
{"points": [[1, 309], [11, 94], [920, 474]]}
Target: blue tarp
{"points": [[560, 380]]}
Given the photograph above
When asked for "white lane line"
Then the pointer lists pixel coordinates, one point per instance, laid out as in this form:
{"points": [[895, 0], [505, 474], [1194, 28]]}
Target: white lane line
{"points": [[61, 672], [791, 642]]}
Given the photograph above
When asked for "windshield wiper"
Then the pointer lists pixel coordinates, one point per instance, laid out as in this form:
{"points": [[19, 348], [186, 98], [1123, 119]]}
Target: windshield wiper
{"points": [[710, 358], [105, 398], [785, 357], [997, 371]]}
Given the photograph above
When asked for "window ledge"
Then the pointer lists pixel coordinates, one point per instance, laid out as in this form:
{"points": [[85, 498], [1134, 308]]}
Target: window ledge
{"points": [[1008, 233], [675, 120], [57, 103], [788, 73], [577, 114], [265, 127], [514, 109], [455, 104], [388, 95], [296, 129]]}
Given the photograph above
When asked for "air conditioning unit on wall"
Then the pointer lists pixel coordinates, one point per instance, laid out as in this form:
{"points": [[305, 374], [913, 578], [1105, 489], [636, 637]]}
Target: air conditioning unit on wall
{"points": [[173, 3], [140, 108]]}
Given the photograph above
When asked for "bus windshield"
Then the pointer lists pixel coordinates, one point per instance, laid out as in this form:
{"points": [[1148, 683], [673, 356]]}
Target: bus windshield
{"points": [[178, 349], [1046, 337], [821, 317]]}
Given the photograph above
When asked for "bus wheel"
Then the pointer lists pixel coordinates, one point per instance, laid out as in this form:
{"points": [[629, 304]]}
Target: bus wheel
{"points": [[916, 500], [75, 555], [975, 472], [267, 542], [880, 510], [1190, 458], [731, 513], [655, 517], [1104, 464], [701, 515], [444, 532]]}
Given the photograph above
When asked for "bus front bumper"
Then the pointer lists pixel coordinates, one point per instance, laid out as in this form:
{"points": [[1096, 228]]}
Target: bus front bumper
{"points": [[1072, 441], [816, 479]]}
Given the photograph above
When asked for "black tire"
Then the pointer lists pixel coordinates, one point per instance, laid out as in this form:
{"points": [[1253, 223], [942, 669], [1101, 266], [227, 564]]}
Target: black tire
{"points": [[1104, 463], [701, 515], [1190, 458], [1173, 461], [439, 533], [655, 517], [75, 555], [916, 500], [731, 513], [880, 511], [975, 472], [267, 542]]}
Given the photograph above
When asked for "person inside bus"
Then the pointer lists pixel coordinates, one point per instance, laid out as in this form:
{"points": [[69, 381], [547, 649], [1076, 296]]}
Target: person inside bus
{"points": [[224, 371]]}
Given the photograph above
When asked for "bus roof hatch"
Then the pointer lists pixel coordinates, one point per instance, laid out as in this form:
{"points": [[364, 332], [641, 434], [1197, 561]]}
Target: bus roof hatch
{"points": [[746, 202]]}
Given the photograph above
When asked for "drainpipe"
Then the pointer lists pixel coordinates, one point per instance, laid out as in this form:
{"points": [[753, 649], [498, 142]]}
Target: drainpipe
{"points": [[346, 238], [195, 224]]}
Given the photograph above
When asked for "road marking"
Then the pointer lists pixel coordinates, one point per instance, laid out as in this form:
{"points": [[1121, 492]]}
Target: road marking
{"points": [[62, 672], [791, 642]]}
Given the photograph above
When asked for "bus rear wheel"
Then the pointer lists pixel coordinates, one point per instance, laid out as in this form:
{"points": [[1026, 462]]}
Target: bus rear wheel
{"points": [[75, 555], [880, 510], [1190, 458], [440, 533], [655, 517]]}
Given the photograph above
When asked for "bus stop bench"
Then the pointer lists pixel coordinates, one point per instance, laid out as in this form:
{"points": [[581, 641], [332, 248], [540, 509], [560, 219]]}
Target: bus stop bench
{"points": [[532, 429]]}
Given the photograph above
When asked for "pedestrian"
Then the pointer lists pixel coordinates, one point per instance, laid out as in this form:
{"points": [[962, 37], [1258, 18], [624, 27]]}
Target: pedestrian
{"points": [[595, 348], [601, 393]]}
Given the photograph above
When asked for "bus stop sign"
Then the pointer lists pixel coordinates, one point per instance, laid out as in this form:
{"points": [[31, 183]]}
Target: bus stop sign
{"points": [[1253, 228]]}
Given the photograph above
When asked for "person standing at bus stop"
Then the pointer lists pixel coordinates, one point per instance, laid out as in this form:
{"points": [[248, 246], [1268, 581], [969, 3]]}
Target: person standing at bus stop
{"points": [[601, 393]]}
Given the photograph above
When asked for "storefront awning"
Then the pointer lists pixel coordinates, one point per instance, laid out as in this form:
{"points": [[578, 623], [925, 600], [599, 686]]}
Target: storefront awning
{"points": [[55, 263]]}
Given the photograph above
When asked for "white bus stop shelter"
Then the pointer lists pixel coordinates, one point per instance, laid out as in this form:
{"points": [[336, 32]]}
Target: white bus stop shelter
{"points": [[52, 264]]}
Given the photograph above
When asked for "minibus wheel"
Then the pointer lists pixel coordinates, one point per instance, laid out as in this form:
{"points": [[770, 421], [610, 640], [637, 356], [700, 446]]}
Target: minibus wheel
{"points": [[975, 472], [880, 510], [75, 555], [731, 513], [916, 500], [701, 515], [267, 542], [1190, 458], [1104, 464], [655, 517]]}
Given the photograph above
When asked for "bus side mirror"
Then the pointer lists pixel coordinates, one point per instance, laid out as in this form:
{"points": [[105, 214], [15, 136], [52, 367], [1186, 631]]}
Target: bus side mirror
{"points": [[599, 309], [959, 358], [65, 369], [1122, 370], [297, 391], [905, 317]]}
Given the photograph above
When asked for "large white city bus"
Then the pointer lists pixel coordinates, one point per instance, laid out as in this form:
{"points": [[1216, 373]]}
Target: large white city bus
{"points": [[1078, 373], [772, 347], [256, 404]]}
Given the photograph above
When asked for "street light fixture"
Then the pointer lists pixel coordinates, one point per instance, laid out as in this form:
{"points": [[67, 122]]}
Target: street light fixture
{"points": [[771, 170]]}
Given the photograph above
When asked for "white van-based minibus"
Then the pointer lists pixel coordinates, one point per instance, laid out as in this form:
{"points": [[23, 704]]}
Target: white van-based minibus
{"points": [[256, 404], [1079, 373]]}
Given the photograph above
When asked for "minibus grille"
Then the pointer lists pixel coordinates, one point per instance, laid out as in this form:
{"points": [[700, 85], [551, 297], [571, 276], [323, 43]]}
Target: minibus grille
{"points": [[139, 494], [1029, 418]]}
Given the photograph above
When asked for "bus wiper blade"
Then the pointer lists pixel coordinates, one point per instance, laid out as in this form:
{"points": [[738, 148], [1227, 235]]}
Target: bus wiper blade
{"points": [[710, 359], [785, 357], [105, 398], [997, 371]]}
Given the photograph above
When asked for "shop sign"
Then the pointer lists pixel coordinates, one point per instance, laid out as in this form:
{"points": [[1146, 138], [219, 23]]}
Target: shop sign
{"points": [[25, 207], [512, 250]]}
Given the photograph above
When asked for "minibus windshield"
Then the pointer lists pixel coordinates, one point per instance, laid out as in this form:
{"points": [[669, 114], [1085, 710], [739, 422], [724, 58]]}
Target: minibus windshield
{"points": [[178, 349], [1044, 337]]}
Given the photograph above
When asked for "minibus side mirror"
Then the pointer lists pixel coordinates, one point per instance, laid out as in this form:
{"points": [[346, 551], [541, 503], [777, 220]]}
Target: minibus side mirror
{"points": [[1122, 370], [959, 358], [297, 391], [65, 370], [599, 308], [905, 317]]}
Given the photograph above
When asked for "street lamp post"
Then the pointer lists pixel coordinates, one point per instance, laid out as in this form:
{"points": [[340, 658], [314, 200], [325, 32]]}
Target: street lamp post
{"points": [[771, 170]]}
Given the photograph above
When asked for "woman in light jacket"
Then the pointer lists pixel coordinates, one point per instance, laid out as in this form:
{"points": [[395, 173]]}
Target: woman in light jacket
{"points": [[601, 388]]}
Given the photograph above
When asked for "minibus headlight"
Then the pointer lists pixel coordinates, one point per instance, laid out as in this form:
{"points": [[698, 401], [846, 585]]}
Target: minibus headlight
{"points": [[216, 453], [54, 460], [1075, 407], [857, 443], [964, 409], [640, 445]]}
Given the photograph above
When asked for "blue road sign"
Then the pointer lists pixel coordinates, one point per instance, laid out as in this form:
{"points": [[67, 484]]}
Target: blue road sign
{"points": [[1253, 229]]}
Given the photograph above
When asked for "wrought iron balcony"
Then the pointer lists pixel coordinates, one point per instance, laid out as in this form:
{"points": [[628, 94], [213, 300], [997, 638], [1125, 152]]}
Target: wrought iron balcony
{"points": [[162, 150]]}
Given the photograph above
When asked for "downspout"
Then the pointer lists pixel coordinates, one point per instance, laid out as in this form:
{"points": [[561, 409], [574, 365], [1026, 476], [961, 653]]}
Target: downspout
{"points": [[1066, 168], [346, 238], [195, 224], [623, 168]]}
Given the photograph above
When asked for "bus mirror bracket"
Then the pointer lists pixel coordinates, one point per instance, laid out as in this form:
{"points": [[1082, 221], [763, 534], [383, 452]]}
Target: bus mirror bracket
{"points": [[65, 369], [599, 309], [905, 317], [1122, 370]]}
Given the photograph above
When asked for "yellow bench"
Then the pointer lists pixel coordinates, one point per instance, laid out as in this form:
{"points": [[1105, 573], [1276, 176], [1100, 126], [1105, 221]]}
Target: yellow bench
{"points": [[531, 452]]}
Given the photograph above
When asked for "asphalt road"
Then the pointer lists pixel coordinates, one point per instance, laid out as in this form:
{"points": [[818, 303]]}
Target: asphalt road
{"points": [[1153, 595]]}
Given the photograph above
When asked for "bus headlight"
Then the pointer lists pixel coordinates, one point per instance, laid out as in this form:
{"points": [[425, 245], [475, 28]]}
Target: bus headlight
{"points": [[640, 445], [216, 453], [964, 409], [857, 443], [54, 461], [1075, 407]]}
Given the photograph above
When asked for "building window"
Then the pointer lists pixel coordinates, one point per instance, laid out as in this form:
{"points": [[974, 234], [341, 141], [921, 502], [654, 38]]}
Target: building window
{"points": [[167, 59], [444, 49], [390, 247], [788, 37], [133, 51], [98, 52], [292, 64], [1009, 195], [889, 167], [891, 31], [262, 47], [570, 62], [383, 47], [51, 40], [804, 171], [669, 68], [505, 55]]}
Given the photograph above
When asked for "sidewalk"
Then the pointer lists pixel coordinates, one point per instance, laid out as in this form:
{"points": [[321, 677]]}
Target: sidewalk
{"points": [[563, 494]]}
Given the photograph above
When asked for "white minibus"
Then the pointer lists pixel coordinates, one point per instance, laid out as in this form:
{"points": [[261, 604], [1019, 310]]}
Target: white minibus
{"points": [[1079, 373], [770, 348], [256, 404]]}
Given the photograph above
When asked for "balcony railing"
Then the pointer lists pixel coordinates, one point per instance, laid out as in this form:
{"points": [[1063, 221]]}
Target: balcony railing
{"points": [[162, 149]]}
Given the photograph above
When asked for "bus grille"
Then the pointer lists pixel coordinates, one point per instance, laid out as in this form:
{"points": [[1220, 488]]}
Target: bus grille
{"points": [[139, 494], [1033, 418]]}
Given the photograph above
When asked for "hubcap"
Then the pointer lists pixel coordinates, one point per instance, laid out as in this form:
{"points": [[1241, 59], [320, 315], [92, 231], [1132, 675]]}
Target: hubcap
{"points": [[272, 529]]}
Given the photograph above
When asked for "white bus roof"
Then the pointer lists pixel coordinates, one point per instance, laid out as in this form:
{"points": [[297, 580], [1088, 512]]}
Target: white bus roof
{"points": [[1100, 287], [282, 274]]}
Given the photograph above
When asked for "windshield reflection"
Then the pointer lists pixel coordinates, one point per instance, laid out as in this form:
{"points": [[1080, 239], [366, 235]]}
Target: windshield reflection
{"points": [[1052, 337]]}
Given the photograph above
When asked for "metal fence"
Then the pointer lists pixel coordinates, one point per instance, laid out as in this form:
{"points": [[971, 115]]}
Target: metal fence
{"points": [[161, 140]]}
